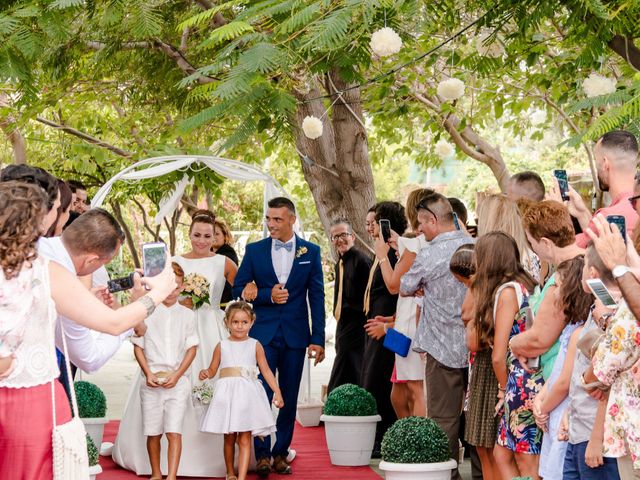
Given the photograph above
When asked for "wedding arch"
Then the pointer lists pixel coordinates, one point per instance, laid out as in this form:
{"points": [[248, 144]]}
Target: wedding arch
{"points": [[159, 166]]}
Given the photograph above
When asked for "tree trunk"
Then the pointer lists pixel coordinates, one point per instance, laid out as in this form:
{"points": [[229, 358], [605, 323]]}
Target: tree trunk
{"points": [[338, 172], [8, 126]]}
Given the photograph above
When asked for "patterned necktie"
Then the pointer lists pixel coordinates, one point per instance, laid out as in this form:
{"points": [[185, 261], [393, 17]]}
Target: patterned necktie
{"points": [[367, 292], [287, 246], [338, 308]]}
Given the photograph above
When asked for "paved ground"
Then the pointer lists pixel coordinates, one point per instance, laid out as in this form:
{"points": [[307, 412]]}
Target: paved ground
{"points": [[116, 376]]}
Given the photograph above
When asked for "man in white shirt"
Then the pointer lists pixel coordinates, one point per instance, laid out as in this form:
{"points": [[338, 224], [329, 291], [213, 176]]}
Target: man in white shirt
{"points": [[86, 246]]}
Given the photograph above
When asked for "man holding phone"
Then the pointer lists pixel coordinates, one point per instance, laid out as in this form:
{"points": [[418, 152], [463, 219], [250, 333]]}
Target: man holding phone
{"points": [[616, 157]]}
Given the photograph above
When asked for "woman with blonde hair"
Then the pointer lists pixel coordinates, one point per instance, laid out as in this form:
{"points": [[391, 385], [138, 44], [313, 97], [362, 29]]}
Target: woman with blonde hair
{"points": [[496, 213]]}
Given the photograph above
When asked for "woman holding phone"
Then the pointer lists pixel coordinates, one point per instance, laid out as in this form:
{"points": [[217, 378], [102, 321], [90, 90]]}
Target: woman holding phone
{"points": [[200, 451]]}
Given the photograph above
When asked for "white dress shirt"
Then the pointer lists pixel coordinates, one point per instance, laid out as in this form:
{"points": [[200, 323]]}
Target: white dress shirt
{"points": [[283, 260], [87, 349], [171, 331]]}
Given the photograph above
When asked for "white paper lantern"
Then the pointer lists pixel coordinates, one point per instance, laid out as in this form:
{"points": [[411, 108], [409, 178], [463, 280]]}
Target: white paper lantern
{"points": [[385, 42], [444, 149], [312, 127], [451, 89], [595, 85], [492, 49]]}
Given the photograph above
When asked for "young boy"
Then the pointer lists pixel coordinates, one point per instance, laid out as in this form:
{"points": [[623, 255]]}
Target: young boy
{"points": [[165, 353]]}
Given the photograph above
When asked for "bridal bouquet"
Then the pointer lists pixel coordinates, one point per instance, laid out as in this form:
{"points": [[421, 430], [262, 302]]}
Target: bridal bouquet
{"points": [[203, 393], [197, 287]]}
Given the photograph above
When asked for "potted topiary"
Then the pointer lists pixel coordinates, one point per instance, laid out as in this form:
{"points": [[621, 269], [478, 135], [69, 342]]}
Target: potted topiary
{"points": [[416, 448], [92, 407], [350, 418], [94, 466]]}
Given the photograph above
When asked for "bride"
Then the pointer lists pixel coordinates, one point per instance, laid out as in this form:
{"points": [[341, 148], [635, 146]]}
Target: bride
{"points": [[200, 451]]}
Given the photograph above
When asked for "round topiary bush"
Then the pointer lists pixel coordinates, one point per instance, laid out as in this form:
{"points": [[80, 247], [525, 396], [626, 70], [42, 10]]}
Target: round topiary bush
{"points": [[349, 400], [91, 400], [415, 440], [92, 451]]}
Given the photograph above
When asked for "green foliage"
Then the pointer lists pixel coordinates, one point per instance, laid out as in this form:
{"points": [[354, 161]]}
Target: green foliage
{"points": [[415, 440], [92, 451], [349, 400], [92, 402]]}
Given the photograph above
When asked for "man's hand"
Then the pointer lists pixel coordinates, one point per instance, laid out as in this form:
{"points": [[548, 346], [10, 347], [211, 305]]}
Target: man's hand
{"points": [[279, 294], [250, 292], [575, 204], [103, 294], [608, 242], [152, 381], [317, 352]]}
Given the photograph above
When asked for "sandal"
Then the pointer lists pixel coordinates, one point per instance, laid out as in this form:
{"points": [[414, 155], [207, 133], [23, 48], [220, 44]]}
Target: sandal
{"points": [[231, 477]]}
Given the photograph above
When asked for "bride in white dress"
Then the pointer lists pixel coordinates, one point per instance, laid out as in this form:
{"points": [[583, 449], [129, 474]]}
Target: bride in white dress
{"points": [[200, 451]]}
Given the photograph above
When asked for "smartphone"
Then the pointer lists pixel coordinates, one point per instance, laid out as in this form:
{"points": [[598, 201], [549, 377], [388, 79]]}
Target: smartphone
{"points": [[154, 258], [528, 323], [601, 293], [456, 222], [563, 183], [120, 284], [619, 221], [385, 229]]}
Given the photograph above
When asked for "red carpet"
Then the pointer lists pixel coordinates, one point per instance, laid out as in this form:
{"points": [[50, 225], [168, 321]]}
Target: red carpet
{"points": [[312, 461]]}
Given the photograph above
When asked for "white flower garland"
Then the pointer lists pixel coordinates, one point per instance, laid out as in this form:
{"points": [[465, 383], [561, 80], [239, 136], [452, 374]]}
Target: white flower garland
{"points": [[385, 42], [451, 89], [595, 85], [312, 127], [444, 149]]}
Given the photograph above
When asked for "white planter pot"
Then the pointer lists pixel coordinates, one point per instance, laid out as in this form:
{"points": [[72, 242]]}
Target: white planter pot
{"points": [[350, 439], [95, 429], [93, 471], [308, 414], [418, 471]]}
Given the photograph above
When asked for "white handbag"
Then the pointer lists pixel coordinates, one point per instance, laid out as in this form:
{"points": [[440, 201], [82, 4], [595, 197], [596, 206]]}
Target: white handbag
{"points": [[70, 457]]}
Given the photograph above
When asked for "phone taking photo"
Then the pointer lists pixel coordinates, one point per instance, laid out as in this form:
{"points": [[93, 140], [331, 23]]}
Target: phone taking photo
{"points": [[534, 362], [120, 284], [385, 229], [456, 222], [154, 258], [601, 292], [563, 183], [620, 222]]}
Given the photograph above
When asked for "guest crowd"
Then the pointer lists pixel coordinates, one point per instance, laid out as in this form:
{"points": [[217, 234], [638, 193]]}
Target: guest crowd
{"points": [[524, 329]]}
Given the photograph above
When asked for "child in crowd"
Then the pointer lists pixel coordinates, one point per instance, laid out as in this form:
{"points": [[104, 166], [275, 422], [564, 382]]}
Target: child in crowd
{"points": [[239, 408], [551, 401], [165, 353], [501, 289]]}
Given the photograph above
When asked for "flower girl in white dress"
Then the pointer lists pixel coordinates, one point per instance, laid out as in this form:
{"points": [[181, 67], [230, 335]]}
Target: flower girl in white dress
{"points": [[240, 408]]}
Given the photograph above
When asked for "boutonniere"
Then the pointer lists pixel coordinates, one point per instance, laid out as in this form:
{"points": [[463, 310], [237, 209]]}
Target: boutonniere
{"points": [[301, 251]]}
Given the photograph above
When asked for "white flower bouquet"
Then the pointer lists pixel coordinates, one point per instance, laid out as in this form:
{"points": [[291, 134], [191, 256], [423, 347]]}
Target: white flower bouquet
{"points": [[202, 394], [197, 287]]}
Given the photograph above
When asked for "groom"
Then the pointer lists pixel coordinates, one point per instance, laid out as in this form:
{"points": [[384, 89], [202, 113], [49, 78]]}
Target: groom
{"points": [[286, 270]]}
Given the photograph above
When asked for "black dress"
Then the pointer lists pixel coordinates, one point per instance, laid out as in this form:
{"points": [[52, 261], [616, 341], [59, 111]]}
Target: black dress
{"points": [[229, 252], [347, 366], [377, 363]]}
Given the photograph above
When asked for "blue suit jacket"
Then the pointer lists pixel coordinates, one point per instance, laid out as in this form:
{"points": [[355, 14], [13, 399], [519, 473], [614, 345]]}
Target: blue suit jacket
{"points": [[305, 279]]}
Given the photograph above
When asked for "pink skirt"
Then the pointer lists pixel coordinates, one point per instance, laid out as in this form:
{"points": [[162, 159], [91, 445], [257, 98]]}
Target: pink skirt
{"points": [[26, 425]]}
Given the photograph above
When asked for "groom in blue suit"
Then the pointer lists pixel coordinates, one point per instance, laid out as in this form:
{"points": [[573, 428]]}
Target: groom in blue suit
{"points": [[285, 270]]}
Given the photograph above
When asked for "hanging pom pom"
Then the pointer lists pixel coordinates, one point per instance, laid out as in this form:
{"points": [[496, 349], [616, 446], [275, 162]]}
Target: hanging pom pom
{"points": [[385, 42], [444, 149], [312, 127], [488, 48], [595, 85], [451, 89]]}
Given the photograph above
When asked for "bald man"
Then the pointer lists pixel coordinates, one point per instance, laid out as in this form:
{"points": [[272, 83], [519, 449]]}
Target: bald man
{"points": [[616, 156]]}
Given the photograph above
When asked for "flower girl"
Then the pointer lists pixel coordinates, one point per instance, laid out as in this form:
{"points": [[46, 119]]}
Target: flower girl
{"points": [[239, 408]]}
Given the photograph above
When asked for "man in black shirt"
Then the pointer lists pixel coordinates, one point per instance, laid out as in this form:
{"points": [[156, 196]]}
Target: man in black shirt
{"points": [[352, 273]]}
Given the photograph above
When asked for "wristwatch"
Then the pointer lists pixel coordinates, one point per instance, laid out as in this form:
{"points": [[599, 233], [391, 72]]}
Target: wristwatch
{"points": [[619, 271]]}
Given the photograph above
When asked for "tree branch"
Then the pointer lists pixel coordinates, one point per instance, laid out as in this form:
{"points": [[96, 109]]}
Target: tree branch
{"points": [[218, 18], [627, 49], [145, 220], [86, 137], [8, 126], [169, 50]]}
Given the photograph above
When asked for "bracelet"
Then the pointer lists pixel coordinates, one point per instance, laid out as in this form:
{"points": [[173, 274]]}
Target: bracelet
{"points": [[501, 389], [380, 262], [148, 303]]}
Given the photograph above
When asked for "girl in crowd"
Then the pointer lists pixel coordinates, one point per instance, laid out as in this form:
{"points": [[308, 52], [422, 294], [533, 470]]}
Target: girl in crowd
{"points": [[551, 401], [32, 285], [501, 289], [240, 408], [222, 245], [63, 210]]}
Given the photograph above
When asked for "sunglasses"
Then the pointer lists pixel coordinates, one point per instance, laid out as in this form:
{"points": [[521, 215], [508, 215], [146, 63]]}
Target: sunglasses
{"points": [[634, 201], [423, 206]]}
